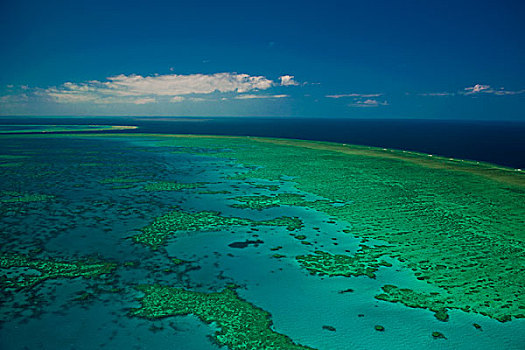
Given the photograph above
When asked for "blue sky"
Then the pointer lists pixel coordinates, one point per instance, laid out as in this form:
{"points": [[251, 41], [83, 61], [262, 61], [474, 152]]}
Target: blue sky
{"points": [[366, 59]]}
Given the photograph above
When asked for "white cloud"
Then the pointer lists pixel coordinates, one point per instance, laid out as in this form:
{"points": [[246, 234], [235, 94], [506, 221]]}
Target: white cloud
{"points": [[487, 89], [506, 92], [361, 100], [143, 101], [20, 98], [71, 96], [177, 99], [368, 103], [477, 88], [138, 89], [287, 80], [353, 95], [173, 84], [251, 96], [437, 94]]}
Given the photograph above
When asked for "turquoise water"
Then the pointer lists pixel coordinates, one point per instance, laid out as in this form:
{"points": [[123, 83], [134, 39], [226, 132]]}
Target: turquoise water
{"points": [[88, 217]]}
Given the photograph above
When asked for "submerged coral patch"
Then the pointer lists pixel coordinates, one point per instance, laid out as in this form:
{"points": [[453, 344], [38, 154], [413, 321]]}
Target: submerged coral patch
{"points": [[155, 234], [19, 197], [171, 186], [364, 262], [25, 272], [241, 324]]}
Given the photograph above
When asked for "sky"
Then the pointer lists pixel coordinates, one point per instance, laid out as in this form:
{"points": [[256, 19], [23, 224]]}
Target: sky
{"points": [[338, 59]]}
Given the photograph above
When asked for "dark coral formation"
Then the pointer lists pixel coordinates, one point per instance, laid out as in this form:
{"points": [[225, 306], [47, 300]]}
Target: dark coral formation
{"points": [[264, 202], [434, 301], [171, 186], [155, 234], [25, 272], [364, 262], [241, 324], [19, 197]]}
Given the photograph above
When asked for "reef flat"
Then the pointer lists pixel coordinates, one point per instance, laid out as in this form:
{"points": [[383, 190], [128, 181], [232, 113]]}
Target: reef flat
{"points": [[171, 186], [22, 271], [118, 180], [363, 263], [155, 234], [18, 197], [265, 202], [432, 301], [241, 324]]}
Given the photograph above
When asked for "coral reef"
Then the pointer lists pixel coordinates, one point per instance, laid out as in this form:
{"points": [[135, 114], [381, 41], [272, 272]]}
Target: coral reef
{"points": [[438, 335], [241, 324], [118, 180], [265, 202], [155, 234], [22, 271], [329, 328], [18, 197], [364, 262], [457, 225], [171, 186], [433, 301]]}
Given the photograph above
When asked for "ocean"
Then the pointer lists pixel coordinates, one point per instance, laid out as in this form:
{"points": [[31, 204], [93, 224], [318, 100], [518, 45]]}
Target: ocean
{"points": [[498, 142]]}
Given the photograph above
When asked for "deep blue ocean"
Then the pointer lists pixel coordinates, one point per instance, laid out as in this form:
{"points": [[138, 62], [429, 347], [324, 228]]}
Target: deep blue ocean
{"points": [[498, 142]]}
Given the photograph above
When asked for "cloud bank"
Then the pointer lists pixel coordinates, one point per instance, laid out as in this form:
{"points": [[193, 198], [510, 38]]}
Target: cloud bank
{"points": [[368, 103], [476, 90], [353, 95], [487, 89], [361, 100], [437, 94], [287, 80], [139, 90], [251, 96]]}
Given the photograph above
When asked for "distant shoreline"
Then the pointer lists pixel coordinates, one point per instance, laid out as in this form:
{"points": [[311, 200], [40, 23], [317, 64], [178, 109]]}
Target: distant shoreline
{"points": [[49, 129]]}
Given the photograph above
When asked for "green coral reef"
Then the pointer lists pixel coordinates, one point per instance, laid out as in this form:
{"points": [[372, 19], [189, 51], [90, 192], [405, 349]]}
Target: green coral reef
{"points": [[155, 234], [457, 225], [438, 335], [8, 161], [21, 271], [264, 202], [261, 202], [171, 186], [364, 262], [432, 301], [18, 197], [439, 302], [453, 229], [118, 180], [241, 324]]}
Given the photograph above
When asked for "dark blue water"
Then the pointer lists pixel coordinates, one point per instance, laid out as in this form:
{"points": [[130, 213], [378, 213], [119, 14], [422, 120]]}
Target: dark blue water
{"points": [[490, 141]]}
